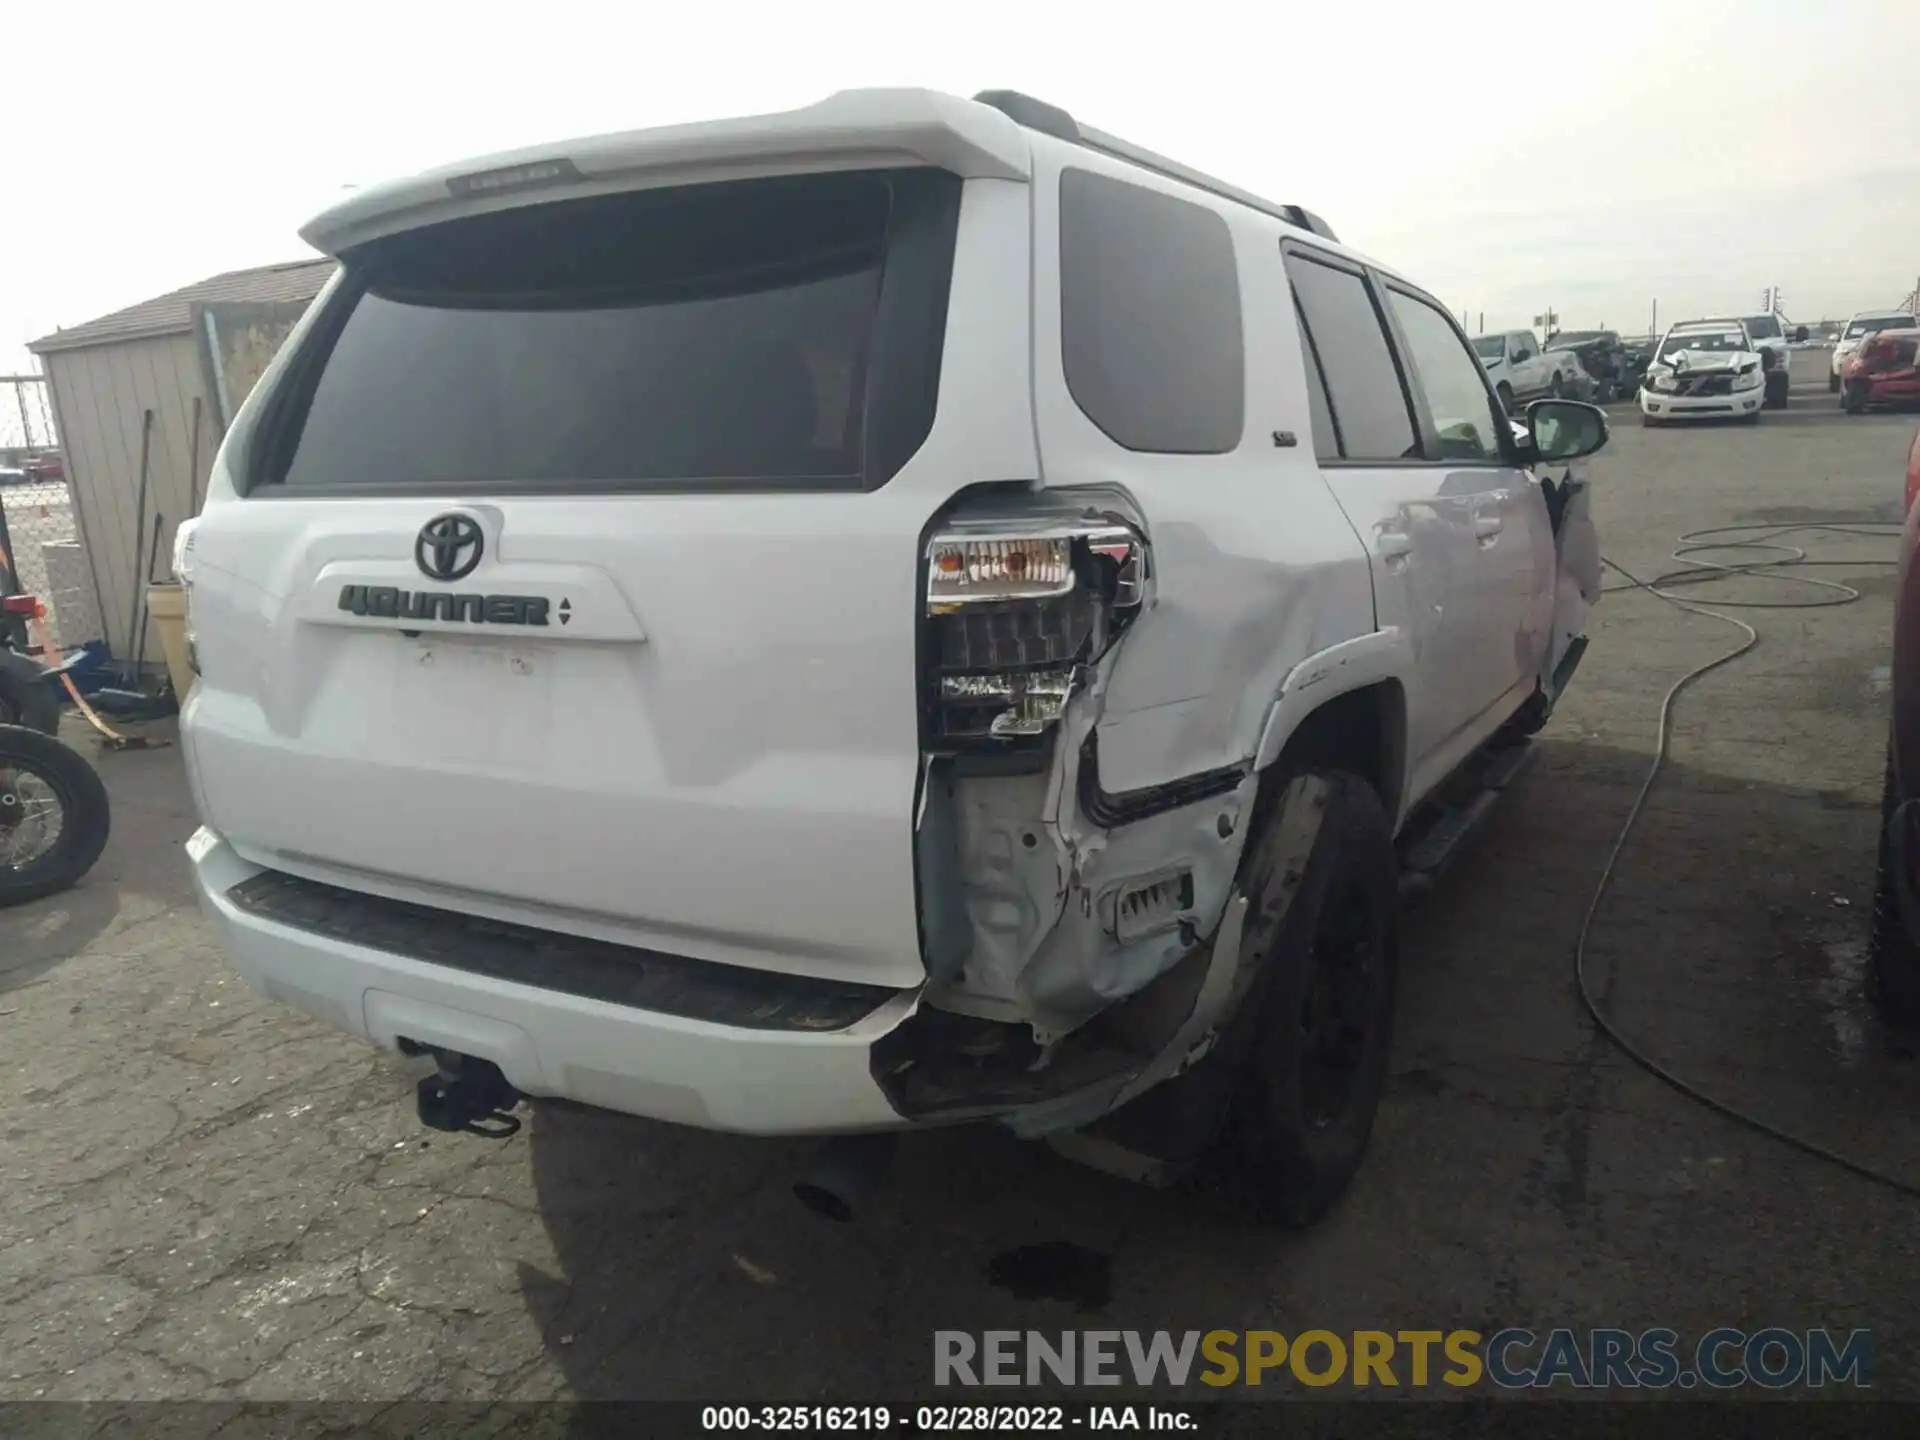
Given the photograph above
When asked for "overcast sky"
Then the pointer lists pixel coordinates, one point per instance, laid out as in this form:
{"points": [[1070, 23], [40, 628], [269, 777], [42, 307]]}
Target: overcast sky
{"points": [[1594, 158]]}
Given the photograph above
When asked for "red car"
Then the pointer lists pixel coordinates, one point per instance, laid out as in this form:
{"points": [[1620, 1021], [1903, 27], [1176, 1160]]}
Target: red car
{"points": [[1896, 908], [1885, 370]]}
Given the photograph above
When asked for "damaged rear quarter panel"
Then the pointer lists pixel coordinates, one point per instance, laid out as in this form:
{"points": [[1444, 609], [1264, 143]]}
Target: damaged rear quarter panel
{"points": [[1255, 568]]}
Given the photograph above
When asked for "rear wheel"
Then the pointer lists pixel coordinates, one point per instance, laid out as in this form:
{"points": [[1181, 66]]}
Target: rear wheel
{"points": [[1321, 1014], [54, 815], [1896, 959]]}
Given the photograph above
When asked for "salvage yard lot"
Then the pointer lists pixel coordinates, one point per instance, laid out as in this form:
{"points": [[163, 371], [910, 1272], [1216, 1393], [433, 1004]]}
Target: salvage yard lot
{"points": [[204, 1195]]}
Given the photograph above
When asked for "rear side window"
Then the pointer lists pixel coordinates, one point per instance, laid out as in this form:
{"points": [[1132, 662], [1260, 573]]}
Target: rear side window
{"points": [[1343, 329], [1326, 435], [696, 337], [1150, 332]]}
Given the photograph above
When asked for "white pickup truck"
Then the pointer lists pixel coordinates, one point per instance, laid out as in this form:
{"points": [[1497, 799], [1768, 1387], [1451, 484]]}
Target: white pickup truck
{"points": [[1520, 371], [903, 611]]}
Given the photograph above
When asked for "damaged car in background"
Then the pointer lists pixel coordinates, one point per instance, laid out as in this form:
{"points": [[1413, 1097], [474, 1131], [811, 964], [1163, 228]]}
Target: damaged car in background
{"points": [[1884, 369], [1705, 370], [1020, 618], [1601, 356], [1856, 332]]}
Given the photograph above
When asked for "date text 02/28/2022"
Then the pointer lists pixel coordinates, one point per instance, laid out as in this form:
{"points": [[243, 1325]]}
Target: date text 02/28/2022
{"points": [[944, 1419]]}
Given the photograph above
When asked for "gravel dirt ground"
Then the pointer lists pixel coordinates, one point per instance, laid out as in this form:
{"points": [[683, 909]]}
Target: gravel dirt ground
{"points": [[207, 1196]]}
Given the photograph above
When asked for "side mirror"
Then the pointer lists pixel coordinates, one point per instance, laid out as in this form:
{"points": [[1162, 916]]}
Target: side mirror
{"points": [[1799, 334], [1565, 430]]}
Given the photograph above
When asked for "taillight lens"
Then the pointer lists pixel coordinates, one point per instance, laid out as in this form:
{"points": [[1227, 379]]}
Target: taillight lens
{"points": [[27, 605], [1011, 616], [183, 572]]}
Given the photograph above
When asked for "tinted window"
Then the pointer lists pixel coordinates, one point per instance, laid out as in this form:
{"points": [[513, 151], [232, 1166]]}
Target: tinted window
{"points": [[1763, 327], [1363, 387], [1490, 347], [1452, 384], [679, 337], [1326, 439], [1150, 317]]}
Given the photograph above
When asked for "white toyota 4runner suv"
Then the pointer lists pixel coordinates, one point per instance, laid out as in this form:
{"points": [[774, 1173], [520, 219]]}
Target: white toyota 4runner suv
{"points": [[905, 611]]}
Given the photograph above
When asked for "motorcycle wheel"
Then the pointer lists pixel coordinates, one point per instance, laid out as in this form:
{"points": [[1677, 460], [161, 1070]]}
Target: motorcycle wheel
{"points": [[54, 815]]}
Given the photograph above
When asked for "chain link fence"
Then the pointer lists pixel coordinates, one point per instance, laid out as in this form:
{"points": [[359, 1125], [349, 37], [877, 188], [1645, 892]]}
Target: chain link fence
{"points": [[40, 550]]}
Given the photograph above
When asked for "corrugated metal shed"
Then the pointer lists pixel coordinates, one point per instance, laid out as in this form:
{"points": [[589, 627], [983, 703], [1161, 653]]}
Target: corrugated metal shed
{"points": [[103, 377]]}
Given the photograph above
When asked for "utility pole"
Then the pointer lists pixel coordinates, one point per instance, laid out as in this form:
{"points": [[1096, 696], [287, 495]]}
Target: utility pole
{"points": [[1653, 325], [1483, 321]]}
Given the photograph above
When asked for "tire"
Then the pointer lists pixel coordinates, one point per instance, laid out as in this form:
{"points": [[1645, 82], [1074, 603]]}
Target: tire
{"points": [[1649, 422], [1753, 419], [1321, 1016], [85, 815], [1894, 961], [1833, 383], [1505, 393]]}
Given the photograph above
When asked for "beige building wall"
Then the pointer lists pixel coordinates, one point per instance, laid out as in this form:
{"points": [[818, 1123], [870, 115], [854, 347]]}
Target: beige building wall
{"points": [[100, 395]]}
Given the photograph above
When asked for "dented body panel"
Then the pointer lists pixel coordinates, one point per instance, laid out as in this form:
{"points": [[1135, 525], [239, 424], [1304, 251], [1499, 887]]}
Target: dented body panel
{"points": [[1002, 733]]}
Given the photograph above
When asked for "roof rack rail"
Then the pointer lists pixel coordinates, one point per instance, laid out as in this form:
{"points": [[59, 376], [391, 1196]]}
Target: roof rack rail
{"points": [[1052, 120]]}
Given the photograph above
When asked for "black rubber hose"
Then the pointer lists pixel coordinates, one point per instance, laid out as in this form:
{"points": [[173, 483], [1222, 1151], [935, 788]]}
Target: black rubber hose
{"points": [[1782, 558]]}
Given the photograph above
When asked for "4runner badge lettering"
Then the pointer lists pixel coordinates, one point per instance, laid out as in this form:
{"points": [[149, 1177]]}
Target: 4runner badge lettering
{"points": [[389, 602]]}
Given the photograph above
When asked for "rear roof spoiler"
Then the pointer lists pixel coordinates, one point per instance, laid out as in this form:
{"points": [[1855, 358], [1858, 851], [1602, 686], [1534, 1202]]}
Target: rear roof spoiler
{"points": [[1052, 120], [847, 129]]}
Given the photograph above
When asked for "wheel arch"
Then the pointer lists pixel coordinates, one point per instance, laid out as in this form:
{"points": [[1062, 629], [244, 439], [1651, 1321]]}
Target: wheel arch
{"points": [[1345, 708]]}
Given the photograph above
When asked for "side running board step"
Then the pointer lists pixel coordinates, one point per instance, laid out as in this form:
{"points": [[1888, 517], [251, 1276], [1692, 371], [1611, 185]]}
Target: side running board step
{"points": [[1436, 838]]}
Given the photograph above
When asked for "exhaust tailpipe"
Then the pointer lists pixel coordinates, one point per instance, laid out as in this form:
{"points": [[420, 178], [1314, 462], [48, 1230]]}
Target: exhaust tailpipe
{"points": [[847, 1170]]}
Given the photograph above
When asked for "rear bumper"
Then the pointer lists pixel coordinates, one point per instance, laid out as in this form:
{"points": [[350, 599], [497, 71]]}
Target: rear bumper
{"points": [[548, 1043]]}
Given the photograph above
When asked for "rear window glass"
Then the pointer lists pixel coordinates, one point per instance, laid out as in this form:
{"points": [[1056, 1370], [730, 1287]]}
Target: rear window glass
{"points": [[1350, 342], [1150, 331], [705, 335]]}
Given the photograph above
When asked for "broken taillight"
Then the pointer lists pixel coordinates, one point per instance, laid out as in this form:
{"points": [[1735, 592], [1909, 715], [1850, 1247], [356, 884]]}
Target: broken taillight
{"points": [[1010, 617]]}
